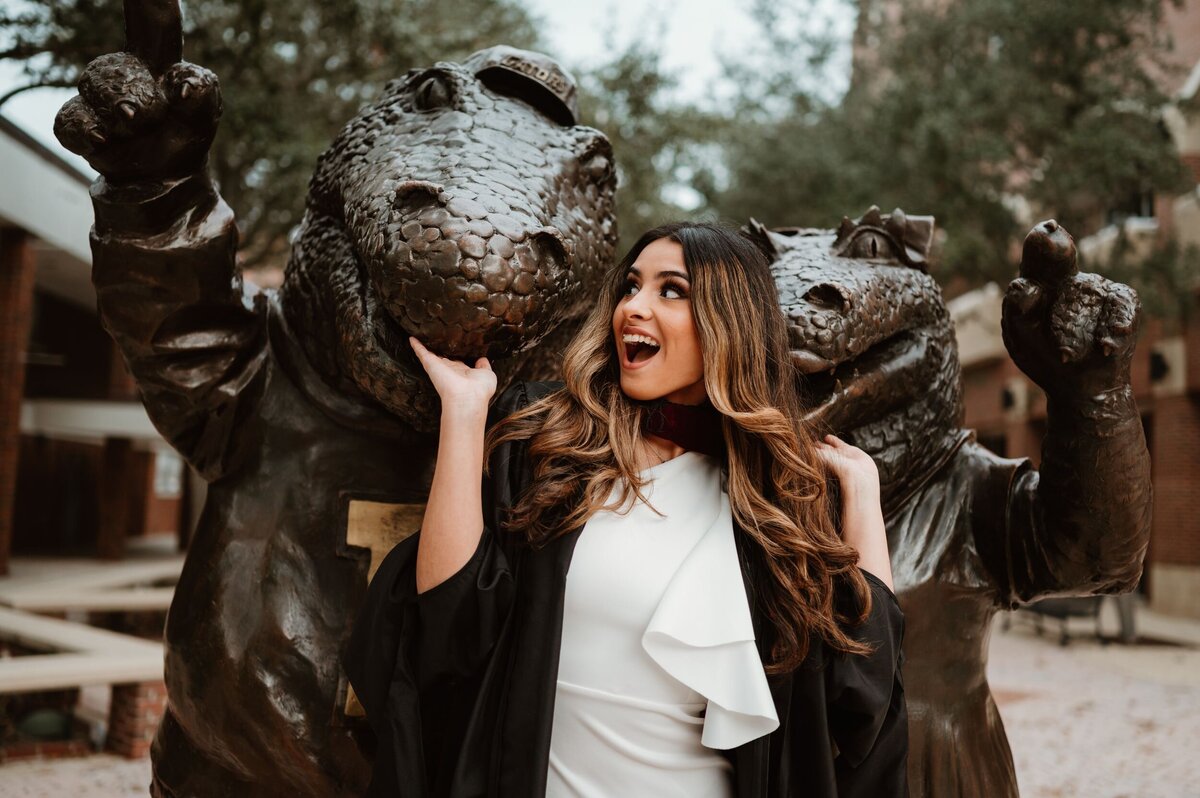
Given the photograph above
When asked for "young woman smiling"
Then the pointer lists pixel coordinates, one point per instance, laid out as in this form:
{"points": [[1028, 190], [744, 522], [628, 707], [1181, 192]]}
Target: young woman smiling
{"points": [[651, 592]]}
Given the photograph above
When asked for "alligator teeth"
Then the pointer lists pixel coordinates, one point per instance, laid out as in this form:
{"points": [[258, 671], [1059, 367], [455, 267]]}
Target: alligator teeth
{"points": [[640, 339]]}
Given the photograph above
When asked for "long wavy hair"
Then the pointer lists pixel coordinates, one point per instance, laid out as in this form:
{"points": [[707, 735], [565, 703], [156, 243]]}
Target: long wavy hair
{"points": [[584, 440]]}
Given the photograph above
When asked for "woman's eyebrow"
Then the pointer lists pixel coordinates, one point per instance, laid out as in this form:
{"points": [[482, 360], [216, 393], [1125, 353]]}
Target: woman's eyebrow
{"points": [[662, 274]]}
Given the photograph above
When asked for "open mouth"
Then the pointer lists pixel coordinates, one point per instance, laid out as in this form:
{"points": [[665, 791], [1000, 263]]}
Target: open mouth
{"points": [[637, 350]]}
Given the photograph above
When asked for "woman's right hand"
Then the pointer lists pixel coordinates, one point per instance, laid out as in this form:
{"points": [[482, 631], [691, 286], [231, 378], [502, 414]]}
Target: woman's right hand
{"points": [[460, 387]]}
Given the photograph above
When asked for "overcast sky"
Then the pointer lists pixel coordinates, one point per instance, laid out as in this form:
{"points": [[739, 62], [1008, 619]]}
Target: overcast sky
{"points": [[696, 33]]}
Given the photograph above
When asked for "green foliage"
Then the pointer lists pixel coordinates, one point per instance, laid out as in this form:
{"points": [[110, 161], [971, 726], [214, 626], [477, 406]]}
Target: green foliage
{"points": [[292, 74], [959, 109], [963, 109], [653, 137]]}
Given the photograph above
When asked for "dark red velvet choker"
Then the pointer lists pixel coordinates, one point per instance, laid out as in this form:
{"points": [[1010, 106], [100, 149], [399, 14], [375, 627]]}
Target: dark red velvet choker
{"points": [[696, 428]]}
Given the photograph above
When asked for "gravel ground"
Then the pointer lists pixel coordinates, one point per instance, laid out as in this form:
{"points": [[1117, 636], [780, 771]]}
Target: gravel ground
{"points": [[99, 776], [1085, 720], [1099, 721]]}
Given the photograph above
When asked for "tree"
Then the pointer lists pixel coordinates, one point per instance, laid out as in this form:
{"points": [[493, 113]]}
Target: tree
{"points": [[292, 75], [970, 109], [654, 136], [780, 159]]}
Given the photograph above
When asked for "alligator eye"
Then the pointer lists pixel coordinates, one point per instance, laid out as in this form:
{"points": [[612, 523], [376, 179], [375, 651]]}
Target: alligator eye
{"points": [[434, 92], [870, 245]]}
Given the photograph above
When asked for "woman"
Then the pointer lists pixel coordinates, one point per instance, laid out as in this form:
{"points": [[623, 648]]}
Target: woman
{"points": [[650, 594]]}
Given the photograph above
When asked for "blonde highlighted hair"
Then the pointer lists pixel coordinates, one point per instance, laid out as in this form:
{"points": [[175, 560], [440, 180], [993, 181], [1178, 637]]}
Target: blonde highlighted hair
{"points": [[584, 440]]}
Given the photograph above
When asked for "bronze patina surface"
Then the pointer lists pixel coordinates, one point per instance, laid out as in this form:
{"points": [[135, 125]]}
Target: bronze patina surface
{"points": [[970, 532], [465, 207]]}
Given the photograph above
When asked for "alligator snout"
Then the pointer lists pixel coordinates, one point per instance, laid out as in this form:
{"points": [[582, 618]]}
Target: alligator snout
{"points": [[465, 207], [478, 221], [854, 319], [466, 271]]}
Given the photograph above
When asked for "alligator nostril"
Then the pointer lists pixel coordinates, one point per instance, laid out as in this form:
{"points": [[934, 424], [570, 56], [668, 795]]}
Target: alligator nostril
{"points": [[436, 91], [544, 261], [416, 192], [829, 296], [549, 248], [1051, 225]]}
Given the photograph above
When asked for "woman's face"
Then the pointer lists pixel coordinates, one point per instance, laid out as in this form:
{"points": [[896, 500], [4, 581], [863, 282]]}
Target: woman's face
{"points": [[655, 333]]}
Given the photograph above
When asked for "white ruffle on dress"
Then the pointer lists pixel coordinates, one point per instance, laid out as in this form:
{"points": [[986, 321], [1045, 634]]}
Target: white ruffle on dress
{"points": [[658, 666]]}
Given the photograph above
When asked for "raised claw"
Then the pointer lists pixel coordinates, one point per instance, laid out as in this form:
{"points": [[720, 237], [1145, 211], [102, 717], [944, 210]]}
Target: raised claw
{"points": [[154, 32], [196, 91], [1049, 254]]}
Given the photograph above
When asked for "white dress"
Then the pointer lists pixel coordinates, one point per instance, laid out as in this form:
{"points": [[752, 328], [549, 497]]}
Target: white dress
{"points": [[658, 666]]}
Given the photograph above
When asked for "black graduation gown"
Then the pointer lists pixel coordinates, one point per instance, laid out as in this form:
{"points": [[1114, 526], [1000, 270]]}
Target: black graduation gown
{"points": [[459, 682]]}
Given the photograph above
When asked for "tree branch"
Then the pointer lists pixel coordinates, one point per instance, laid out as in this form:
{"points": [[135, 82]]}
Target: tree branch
{"points": [[21, 52], [55, 84]]}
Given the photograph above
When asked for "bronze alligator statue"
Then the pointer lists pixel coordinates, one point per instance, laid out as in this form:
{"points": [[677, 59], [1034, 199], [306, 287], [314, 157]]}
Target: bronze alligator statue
{"points": [[971, 533], [465, 207]]}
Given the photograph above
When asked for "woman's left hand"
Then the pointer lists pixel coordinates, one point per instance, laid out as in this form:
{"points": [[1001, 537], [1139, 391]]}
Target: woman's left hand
{"points": [[853, 467], [862, 514]]}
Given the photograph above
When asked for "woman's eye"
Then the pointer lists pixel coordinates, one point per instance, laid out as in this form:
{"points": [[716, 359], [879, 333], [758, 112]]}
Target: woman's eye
{"points": [[667, 291]]}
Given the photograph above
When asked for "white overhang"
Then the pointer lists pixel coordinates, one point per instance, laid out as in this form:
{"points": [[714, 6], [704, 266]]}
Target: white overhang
{"points": [[48, 197], [976, 317], [89, 420]]}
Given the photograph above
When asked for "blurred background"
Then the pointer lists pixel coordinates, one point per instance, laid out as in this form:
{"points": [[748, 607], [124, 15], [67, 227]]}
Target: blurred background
{"points": [[989, 114]]}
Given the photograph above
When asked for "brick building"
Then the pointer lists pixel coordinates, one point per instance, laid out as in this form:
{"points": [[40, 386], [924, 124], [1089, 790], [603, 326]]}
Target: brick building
{"points": [[81, 466]]}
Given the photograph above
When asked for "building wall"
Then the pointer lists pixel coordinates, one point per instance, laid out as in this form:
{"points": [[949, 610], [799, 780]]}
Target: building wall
{"points": [[16, 312], [69, 354], [59, 503], [1174, 568]]}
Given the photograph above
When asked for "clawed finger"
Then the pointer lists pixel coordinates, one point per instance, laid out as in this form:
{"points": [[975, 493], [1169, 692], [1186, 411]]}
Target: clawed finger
{"points": [[154, 32], [1022, 296], [1049, 254]]}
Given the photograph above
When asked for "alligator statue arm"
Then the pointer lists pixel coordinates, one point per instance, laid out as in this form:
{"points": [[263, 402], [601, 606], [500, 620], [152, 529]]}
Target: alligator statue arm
{"points": [[1081, 524], [164, 242]]}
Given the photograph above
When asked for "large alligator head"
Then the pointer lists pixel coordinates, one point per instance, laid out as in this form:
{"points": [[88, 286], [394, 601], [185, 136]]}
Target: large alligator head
{"points": [[466, 208], [872, 340]]}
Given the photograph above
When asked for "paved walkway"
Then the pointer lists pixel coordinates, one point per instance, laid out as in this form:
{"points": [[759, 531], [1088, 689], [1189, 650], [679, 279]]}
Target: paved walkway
{"points": [[99, 776], [1086, 720], [1105, 721]]}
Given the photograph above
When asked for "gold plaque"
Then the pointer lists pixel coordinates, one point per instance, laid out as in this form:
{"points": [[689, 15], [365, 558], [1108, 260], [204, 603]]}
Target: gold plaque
{"points": [[378, 526]]}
